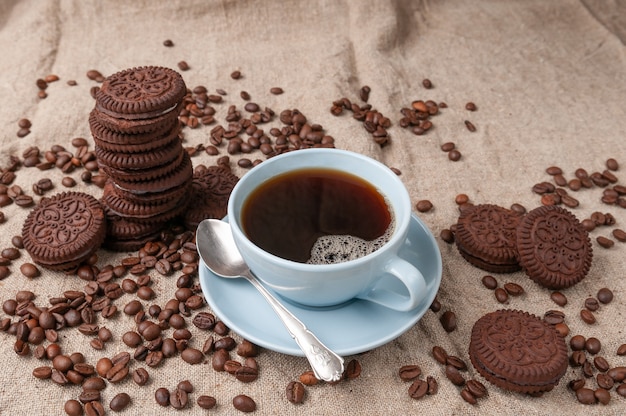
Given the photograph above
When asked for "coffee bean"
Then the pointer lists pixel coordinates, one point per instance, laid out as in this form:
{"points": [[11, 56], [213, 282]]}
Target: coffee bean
{"points": [[468, 396], [605, 242], [192, 356], [605, 295], [183, 66], [585, 396], [577, 343], [235, 74], [308, 378], [132, 339], [206, 402], [558, 298], [618, 374], [244, 403], [439, 354], [30, 270], [576, 384], [119, 402], [587, 316], [454, 155], [621, 390], [456, 362], [62, 363], [601, 364], [470, 126], [602, 395], [477, 388], [73, 408], [89, 396], [424, 205], [295, 392], [179, 399], [470, 106], [42, 373], [513, 289], [448, 146], [605, 381], [409, 372], [276, 90], [352, 370], [501, 295], [593, 345], [453, 374], [162, 396], [427, 83], [592, 304], [562, 329], [418, 389], [621, 350], [553, 317], [447, 236], [448, 321]]}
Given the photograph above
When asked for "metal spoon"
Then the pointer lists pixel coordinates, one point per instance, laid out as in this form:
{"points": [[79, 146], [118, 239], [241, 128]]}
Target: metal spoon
{"points": [[217, 249]]}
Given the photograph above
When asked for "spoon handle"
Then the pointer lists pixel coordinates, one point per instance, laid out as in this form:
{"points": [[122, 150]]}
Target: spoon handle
{"points": [[326, 364]]}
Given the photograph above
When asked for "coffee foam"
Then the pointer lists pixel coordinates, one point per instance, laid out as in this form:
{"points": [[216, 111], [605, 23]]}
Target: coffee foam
{"points": [[333, 249]]}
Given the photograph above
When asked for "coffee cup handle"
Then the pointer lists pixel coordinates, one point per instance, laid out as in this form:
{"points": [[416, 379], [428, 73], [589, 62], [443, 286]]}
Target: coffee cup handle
{"points": [[409, 276]]}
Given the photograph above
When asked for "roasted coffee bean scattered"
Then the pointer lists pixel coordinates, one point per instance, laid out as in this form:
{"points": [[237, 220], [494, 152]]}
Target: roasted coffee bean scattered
{"points": [[119, 402], [409, 372], [424, 205], [454, 155], [501, 295], [244, 403], [206, 402], [448, 321], [295, 392], [587, 316], [558, 298]]}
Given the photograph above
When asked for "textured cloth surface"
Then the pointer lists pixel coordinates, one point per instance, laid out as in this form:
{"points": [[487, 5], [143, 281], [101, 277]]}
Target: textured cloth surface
{"points": [[548, 79]]}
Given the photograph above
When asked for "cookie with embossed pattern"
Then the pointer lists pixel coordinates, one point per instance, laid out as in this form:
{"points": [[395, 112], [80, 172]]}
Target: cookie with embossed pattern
{"points": [[553, 247], [210, 191], [518, 351], [141, 93], [64, 230], [486, 237]]}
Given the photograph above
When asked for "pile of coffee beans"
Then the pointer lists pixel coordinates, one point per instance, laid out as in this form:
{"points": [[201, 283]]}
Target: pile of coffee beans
{"points": [[613, 194], [598, 371], [374, 122], [472, 389]]}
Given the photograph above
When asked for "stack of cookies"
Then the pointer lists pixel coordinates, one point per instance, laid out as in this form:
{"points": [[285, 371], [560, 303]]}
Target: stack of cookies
{"points": [[136, 132]]}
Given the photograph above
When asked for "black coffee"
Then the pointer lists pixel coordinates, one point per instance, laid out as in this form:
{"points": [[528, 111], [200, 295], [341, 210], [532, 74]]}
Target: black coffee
{"points": [[317, 215]]}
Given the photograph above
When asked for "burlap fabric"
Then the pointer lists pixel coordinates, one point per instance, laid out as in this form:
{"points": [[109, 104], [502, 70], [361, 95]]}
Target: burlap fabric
{"points": [[549, 82]]}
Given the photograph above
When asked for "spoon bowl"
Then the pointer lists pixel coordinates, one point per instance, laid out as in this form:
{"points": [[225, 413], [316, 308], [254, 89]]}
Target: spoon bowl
{"points": [[220, 254]]}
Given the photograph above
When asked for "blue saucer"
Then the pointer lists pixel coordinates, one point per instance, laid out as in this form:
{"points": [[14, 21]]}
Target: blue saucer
{"points": [[351, 328]]}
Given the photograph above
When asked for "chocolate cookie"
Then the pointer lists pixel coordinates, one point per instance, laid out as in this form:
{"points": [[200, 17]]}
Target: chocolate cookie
{"points": [[141, 93], [118, 205], [140, 126], [182, 174], [132, 143], [124, 234], [518, 351], [121, 175], [210, 191], [554, 248], [140, 160], [64, 230], [486, 237]]}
